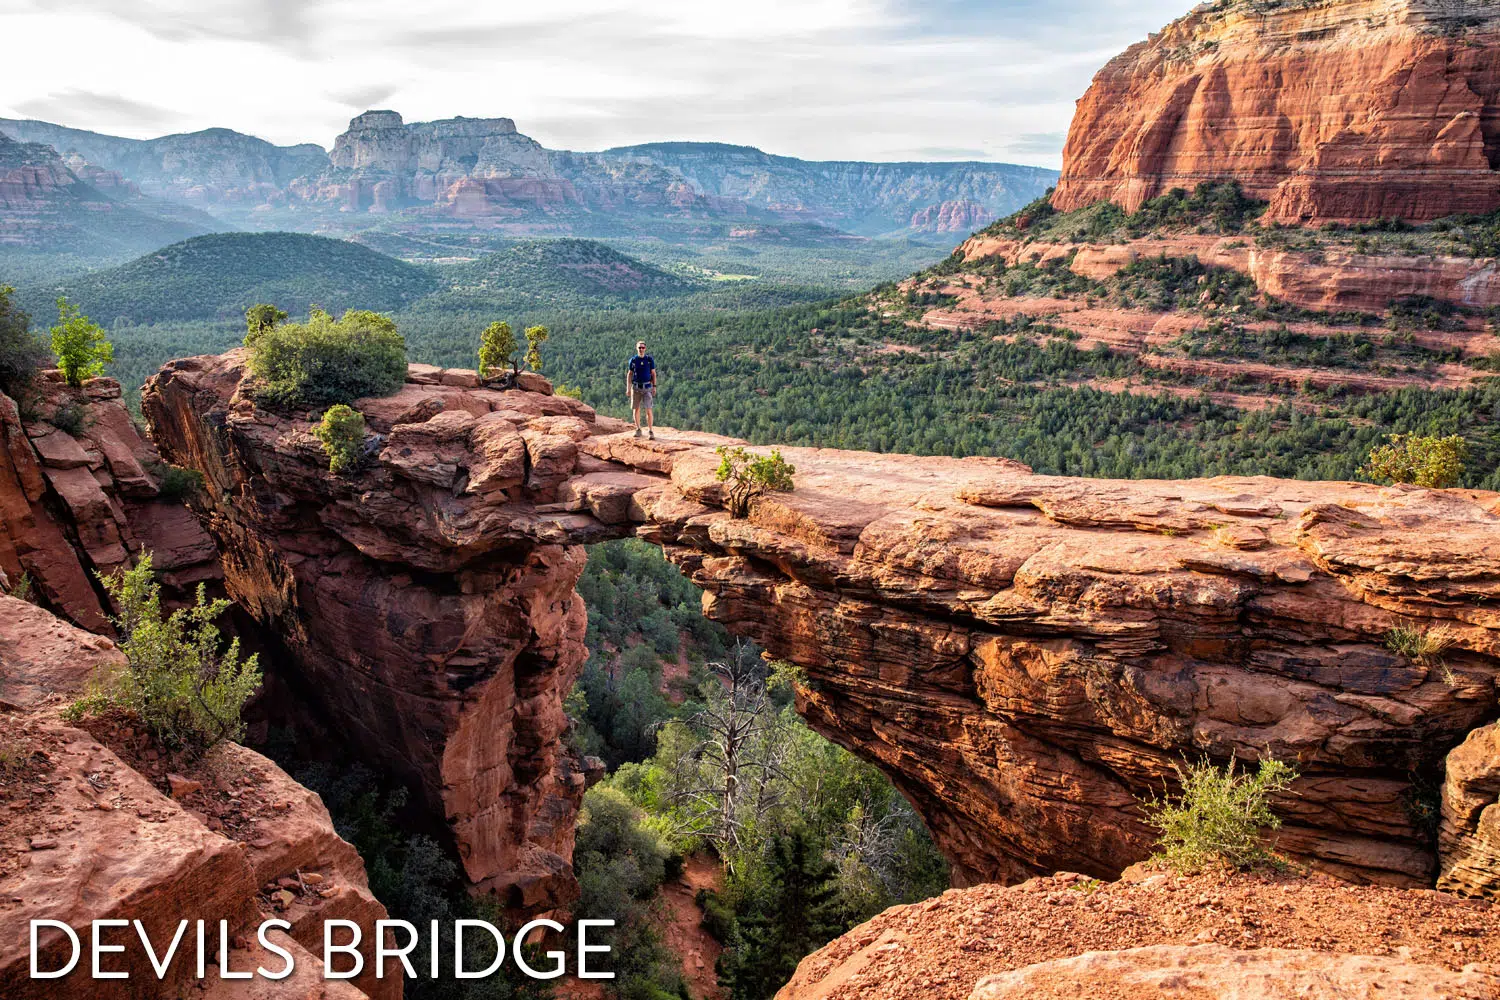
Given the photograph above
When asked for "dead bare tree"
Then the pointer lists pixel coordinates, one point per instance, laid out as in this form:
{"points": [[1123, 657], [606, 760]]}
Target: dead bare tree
{"points": [[731, 776]]}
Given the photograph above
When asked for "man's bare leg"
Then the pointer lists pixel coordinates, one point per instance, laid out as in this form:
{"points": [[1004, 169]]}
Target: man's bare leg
{"points": [[637, 411]]}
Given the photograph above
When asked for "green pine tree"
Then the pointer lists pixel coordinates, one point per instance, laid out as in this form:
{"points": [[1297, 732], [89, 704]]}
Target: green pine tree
{"points": [[799, 915]]}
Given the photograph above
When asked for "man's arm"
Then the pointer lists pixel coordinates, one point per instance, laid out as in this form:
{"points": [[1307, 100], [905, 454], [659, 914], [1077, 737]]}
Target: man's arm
{"points": [[653, 374]]}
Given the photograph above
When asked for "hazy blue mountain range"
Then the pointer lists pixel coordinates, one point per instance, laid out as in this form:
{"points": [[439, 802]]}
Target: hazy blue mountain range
{"points": [[483, 176]]}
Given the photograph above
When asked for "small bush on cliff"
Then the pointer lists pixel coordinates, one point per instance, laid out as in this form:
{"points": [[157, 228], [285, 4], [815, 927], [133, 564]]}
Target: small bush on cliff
{"points": [[498, 348], [750, 475], [1434, 462], [326, 361], [21, 351], [261, 318], [176, 483], [69, 418], [1219, 816], [1422, 646], [182, 681], [535, 337], [21, 590], [342, 432], [80, 345]]}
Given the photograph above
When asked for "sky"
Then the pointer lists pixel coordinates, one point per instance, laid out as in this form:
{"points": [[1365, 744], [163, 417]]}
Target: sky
{"points": [[819, 79]]}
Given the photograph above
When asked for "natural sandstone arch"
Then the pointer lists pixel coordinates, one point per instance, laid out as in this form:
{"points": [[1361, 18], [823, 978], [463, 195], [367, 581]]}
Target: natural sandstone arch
{"points": [[1022, 654]]}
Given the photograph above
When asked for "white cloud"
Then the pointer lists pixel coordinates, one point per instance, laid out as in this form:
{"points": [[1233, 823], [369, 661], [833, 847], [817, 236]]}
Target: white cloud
{"points": [[825, 79]]}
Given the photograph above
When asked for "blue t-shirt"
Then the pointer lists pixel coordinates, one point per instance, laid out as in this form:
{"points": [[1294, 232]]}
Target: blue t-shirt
{"points": [[642, 367]]}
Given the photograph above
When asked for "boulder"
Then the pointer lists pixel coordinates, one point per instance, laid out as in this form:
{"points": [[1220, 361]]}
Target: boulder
{"points": [[1469, 832]]}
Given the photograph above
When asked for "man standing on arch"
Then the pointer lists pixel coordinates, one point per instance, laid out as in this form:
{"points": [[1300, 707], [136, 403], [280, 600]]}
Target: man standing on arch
{"points": [[640, 387]]}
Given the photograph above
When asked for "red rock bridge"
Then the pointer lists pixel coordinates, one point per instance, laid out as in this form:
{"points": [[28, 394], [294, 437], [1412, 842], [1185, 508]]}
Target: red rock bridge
{"points": [[1024, 655]]}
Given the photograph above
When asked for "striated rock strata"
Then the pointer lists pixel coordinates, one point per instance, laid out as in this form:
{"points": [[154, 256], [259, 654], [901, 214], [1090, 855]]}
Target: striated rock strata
{"points": [[1025, 655], [88, 832], [1469, 835], [1330, 109], [86, 500], [1326, 281]]}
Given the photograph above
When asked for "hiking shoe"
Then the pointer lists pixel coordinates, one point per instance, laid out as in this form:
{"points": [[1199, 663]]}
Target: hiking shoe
{"points": [[651, 435], [637, 432]]}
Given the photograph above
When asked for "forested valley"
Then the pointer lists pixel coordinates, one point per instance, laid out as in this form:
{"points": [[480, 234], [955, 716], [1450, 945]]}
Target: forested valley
{"points": [[782, 839]]}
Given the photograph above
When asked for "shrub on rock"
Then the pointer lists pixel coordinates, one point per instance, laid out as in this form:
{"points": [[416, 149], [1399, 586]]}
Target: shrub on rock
{"points": [[80, 345], [326, 361], [749, 475], [183, 685], [342, 432], [1434, 462], [1219, 816]]}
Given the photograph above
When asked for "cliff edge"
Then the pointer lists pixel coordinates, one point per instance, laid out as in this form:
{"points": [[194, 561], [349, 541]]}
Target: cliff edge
{"points": [[1332, 110]]}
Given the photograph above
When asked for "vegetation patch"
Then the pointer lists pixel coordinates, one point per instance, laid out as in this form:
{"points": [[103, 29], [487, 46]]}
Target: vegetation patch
{"points": [[185, 684], [21, 351], [1219, 816], [342, 432], [219, 276], [747, 476], [561, 270], [1423, 646], [80, 345], [1418, 460], [177, 483], [325, 361], [1219, 207]]}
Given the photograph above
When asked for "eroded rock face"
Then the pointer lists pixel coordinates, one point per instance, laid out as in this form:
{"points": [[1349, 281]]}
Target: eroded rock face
{"points": [[1025, 655], [1216, 972], [1469, 837], [85, 836], [1330, 109], [1327, 281], [426, 605], [83, 499]]}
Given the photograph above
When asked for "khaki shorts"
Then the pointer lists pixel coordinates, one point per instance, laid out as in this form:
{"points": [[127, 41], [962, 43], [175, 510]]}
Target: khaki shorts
{"points": [[642, 399]]}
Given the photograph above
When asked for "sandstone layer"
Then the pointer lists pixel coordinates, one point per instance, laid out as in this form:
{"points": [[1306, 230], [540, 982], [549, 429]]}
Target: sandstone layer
{"points": [[1469, 834], [95, 829], [422, 606], [1159, 936], [1329, 109], [1026, 656], [1326, 282], [80, 497]]}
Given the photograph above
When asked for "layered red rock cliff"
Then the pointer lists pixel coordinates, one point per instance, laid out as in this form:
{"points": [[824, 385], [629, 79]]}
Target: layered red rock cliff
{"points": [[1330, 109], [420, 606], [1024, 655], [80, 495], [92, 828]]}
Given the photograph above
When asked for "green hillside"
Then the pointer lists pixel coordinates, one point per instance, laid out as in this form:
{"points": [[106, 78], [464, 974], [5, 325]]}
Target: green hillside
{"points": [[561, 271], [218, 276]]}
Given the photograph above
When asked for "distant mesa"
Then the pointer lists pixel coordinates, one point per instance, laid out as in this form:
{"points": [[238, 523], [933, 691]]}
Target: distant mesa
{"points": [[958, 216], [484, 174], [1331, 110]]}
